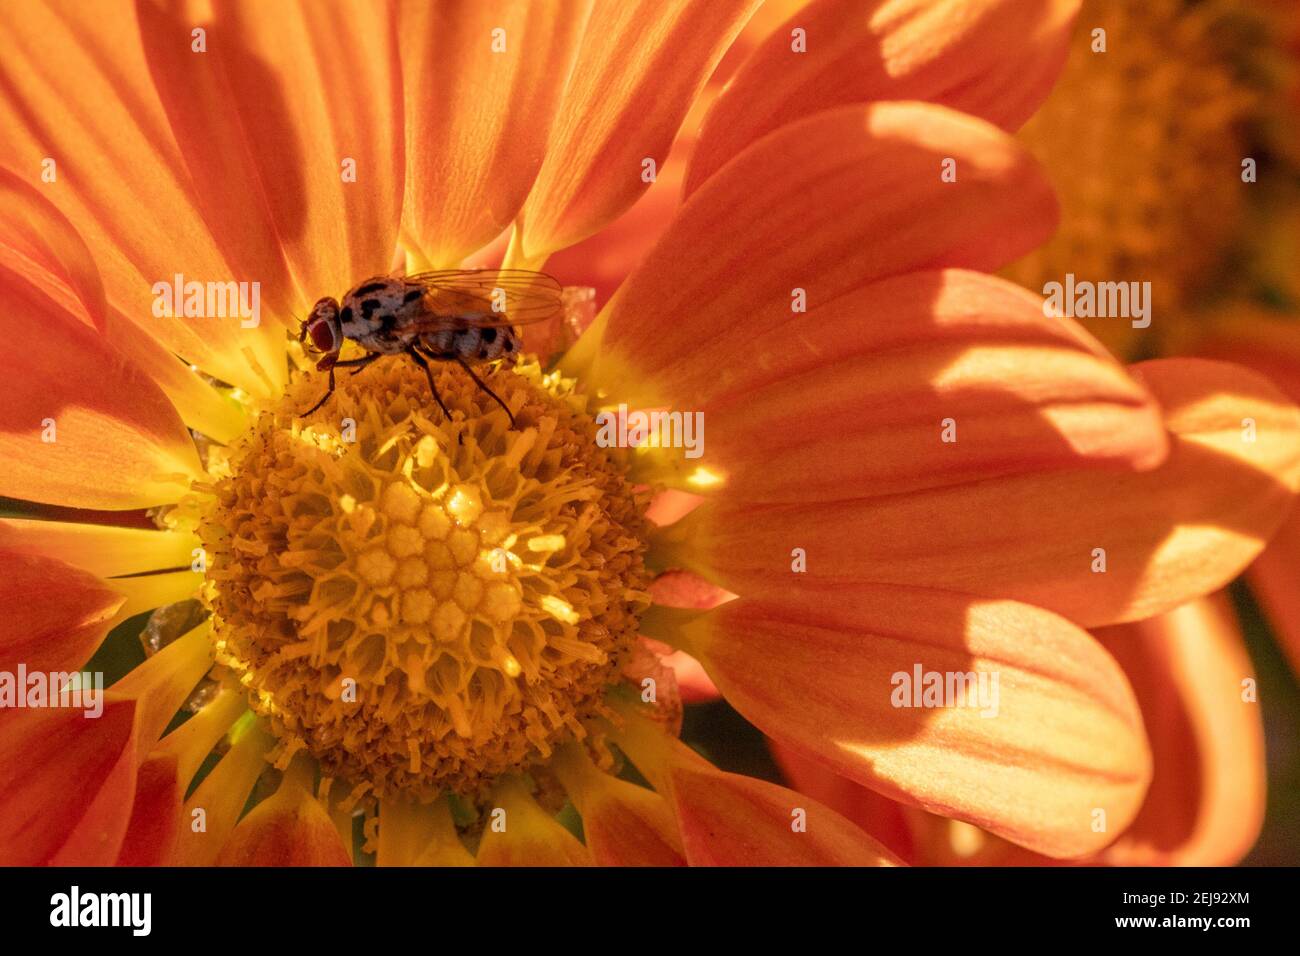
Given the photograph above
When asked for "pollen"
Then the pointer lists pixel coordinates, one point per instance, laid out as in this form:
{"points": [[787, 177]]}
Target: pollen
{"points": [[477, 587]]}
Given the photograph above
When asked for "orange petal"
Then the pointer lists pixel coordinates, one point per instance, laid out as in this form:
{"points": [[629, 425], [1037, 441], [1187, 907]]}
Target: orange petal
{"points": [[996, 59], [286, 148], [145, 592], [1048, 721], [191, 742], [221, 797], [1206, 800], [1271, 346], [405, 828], [1168, 535], [766, 20], [155, 814], [33, 233], [826, 205], [66, 785], [911, 354], [100, 549], [162, 683], [640, 65], [119, 177], [918, 837], [884, 819], [55, 615], [81, 426], [624, 825], [1196, 685], [290, 828], [419, 836], [1258, 339], [688, 590], [603, 260], [479, 106], [730, 820], [1273, 580], [521, 833]]}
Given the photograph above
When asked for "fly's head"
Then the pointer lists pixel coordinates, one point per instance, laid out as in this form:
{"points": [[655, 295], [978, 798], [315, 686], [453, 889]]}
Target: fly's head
{"points": [[323, 330]]}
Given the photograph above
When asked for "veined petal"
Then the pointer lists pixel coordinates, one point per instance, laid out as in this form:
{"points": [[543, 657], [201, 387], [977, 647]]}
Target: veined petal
{"points": [[145, 592], [103, 550], [884, 819], [192, 741], [1031, 730], [66, 784], [995, 59], [220, 798], [640, 65], [1194, 680], [289, 828], [1206, 801], [80, 425], [603, 260], [828, 204], [479, 105], [161, 684], [932, 378], [285, 146], [624, 825], [76, 89], [55, 615], [521, 833], [39, 242], [730, 820], [151, 833], [1097, 546]]}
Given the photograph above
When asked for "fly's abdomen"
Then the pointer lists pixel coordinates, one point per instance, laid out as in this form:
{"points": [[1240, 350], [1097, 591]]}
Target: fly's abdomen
{"points": [[474, 344]]}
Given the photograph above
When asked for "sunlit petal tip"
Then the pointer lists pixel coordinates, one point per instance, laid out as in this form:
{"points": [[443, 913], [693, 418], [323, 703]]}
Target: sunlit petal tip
{"points": [[996, 59], [997, 713]]}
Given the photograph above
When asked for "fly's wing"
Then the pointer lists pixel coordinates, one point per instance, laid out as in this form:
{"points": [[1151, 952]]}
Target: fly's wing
{"points": [[487, 298]]}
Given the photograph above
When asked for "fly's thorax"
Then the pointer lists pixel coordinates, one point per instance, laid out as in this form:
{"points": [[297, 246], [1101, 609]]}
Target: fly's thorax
{"points": [[377, 312]]}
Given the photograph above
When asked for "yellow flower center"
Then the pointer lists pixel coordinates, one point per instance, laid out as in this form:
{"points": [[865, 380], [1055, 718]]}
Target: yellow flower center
{"points": [[423, 605]]}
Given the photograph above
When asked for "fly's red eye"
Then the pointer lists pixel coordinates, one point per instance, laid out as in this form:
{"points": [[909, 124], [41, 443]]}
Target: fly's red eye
{"points": [[322, 335]]}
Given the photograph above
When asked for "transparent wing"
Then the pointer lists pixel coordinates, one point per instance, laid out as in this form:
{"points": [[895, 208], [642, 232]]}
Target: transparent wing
{"points": [[488, 298]]}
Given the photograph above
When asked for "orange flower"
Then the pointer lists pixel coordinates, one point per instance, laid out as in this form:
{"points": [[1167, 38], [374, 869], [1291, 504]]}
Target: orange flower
{"points": [[429, 625]]}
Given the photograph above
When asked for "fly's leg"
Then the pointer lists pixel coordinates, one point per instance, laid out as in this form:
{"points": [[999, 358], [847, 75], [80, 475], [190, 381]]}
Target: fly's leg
{"points": [[481, 384], [357, 364], [324, 398], [420, 361]]}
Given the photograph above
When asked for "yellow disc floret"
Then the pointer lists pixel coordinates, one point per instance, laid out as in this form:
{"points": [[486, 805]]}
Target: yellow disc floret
{"points": [[421, 604]]}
